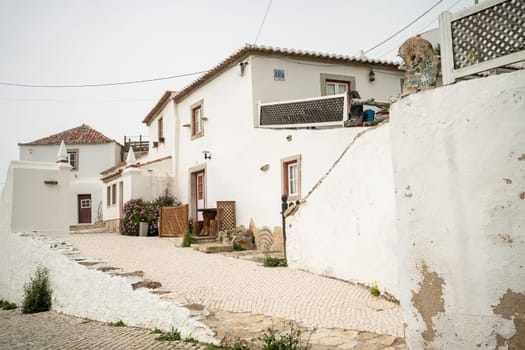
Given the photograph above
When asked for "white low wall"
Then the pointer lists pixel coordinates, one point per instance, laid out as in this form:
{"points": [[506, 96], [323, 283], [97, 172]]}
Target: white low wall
{"points": [[346, 228], [459, 168], [88, 293]]}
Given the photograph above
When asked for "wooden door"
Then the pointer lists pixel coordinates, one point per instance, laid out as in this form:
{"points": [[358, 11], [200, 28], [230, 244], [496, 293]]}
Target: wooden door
{"points": [[84, 208]]}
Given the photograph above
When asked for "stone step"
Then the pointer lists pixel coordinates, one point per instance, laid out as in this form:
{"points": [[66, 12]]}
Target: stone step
{"points": [[204, 239], [211, 248], [98, 227]]}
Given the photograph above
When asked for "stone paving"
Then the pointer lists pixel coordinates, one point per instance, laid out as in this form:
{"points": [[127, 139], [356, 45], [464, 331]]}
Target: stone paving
{"points": [[238, 286], [49, 330]]}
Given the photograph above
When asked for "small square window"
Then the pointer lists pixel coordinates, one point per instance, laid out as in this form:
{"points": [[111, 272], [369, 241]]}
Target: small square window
{"points": [[278, 74]]}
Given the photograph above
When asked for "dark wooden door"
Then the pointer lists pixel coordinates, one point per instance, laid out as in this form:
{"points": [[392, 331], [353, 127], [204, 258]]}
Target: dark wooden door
{"points": [[84, 208]]}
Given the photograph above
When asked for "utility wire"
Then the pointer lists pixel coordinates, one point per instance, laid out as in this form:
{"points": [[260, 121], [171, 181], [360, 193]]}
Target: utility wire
{"points": [[405, 27], [101, 84], [421, 29], [262, 23]]}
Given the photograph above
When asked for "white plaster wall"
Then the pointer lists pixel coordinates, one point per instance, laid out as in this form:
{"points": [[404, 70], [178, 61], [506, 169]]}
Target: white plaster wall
{"points": [[93, 159], [459, 169], [303, 79], [167, 147], [239, 150], [346, 228], [91, 294], [33, 205]]}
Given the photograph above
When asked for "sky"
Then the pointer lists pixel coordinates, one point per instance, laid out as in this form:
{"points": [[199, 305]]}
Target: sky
{"points": [[74, 42]]}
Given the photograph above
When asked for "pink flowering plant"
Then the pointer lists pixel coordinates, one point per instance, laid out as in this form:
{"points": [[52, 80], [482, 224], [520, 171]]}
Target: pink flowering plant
{"points": [[138, 210]]}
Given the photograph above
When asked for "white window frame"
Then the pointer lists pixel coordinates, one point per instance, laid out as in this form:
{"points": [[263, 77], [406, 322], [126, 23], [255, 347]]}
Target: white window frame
{"points": [[85, 203], [74, 153]]}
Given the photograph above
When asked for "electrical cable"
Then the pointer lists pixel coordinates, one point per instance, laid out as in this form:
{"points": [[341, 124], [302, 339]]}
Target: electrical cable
{"points": [[405, 27], [262, 23], [101, 84]]}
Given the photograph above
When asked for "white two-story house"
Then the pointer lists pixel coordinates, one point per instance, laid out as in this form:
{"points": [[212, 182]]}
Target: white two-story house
{"points": [[52, 187], [262, 123]]}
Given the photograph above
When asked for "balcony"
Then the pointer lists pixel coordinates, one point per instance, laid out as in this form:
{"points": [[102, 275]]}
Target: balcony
{"points": [[320, 112], [138, 143]]}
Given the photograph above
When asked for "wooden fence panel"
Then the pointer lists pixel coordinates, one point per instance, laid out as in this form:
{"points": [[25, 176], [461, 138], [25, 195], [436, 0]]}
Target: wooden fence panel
{"points": [[226, 217], [173, 221]]}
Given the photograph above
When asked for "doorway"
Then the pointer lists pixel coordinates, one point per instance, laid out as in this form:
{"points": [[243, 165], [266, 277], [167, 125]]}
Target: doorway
{"points": [[84, 208]]}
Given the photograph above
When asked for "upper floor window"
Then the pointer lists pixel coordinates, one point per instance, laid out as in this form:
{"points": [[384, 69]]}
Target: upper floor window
{"points": [[335, 87], [335, 84], [197, 127], [72, 158], [160, 125]]}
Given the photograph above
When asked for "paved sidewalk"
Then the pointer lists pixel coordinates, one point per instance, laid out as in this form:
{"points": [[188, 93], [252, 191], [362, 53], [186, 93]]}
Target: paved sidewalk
{"points": [[52, 331], [236, 285]]}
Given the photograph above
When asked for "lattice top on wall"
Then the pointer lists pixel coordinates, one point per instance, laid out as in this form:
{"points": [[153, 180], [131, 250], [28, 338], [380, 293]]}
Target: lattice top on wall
{"points": [[303, 112], [488, 34]]}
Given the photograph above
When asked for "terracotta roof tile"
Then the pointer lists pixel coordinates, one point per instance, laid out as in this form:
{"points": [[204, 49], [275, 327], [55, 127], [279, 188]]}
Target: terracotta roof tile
{"points": [[82, 135], [160, 104]]}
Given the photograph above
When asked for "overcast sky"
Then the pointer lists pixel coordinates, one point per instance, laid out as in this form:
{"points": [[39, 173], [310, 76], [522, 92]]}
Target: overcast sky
{"points": [[105, 41]]}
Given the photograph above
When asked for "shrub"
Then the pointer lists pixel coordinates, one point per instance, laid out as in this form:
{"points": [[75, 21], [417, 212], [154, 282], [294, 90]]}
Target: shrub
{"points": [[270, 261], [174, 334], [37, 293], [5, 305], [119, 323], [375, 291], [156, 331], [188, 239], [138, 210], [237, 247], [286, 341]]}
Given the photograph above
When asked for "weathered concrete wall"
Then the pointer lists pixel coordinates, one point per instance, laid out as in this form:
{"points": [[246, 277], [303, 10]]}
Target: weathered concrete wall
{"points": [[346, 227], [88, 293], [459, 169]]}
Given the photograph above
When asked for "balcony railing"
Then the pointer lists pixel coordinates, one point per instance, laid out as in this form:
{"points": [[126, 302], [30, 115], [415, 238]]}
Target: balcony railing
{"points": [[138, 143], [326, 111], [482, 37], [319, 111]]}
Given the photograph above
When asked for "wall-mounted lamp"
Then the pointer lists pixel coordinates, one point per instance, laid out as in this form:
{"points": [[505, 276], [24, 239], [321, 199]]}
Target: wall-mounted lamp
{"points": [[243, 67], [371, 75], [289, 138], [207, 154]]}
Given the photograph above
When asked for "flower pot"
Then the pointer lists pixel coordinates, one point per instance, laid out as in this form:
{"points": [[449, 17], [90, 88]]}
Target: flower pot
{"points": [[143, 229]]}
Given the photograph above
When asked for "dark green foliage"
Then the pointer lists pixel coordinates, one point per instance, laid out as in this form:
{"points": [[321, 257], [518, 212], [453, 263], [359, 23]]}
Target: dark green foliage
{"points": [[174, 334], [138, 210], [188, 239], [5, 305], [156, 331], [270, 261], [37, 293], [119, 323], [237, 247], [285, 341], [235, 346]]}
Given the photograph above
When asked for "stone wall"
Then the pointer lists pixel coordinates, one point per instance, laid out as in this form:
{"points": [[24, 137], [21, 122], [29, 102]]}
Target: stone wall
{"points": [[89, 293], [459, 168]]}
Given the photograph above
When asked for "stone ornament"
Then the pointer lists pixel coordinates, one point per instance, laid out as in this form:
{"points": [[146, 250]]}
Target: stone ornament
{"points": [[421, 64]]}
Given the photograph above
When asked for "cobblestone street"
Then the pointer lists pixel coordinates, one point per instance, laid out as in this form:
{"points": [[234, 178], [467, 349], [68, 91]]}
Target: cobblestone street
{"points": [[49, 330]]}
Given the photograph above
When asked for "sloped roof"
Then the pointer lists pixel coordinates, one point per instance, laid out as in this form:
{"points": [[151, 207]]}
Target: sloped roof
{"points": [[81, 135], [249, 49], [160, 104]]}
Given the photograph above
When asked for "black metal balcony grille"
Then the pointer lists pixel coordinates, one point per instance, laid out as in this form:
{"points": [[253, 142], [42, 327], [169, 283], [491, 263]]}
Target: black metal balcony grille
{"points": [[323, 110]]}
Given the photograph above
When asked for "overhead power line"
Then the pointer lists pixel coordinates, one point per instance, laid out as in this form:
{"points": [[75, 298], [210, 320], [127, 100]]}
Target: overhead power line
{"points": [[405, 27], [262, 23], [101, 84]]}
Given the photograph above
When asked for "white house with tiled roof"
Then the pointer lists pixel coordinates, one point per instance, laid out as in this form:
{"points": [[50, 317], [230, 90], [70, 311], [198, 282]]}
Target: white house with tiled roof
{"points": [[263, 122], [56, 183]]}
